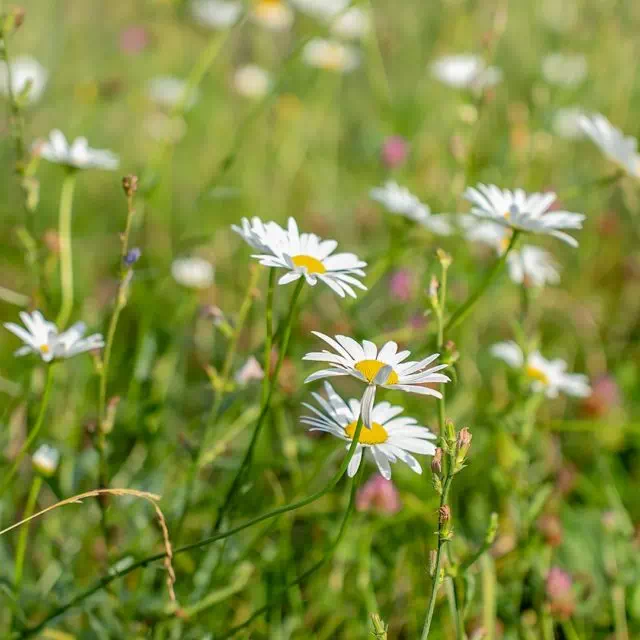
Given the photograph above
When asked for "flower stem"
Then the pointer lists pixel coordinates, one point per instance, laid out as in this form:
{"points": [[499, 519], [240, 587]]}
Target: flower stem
{"points": [[268, 343], [21, 547], [34, 432], [465, 308], [66, 261], [17, 120]]}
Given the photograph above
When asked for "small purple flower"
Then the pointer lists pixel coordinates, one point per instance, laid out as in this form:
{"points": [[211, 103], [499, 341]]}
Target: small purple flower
{"points": [[378, 495], [401, 285], [132, 257], [394, 151]]}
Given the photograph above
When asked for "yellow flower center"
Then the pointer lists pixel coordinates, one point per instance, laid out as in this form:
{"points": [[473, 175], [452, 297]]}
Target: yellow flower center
{"points": [[369, 369], [376, 435], [44, 348], [535, 374], [312, 265], [333, 57]]}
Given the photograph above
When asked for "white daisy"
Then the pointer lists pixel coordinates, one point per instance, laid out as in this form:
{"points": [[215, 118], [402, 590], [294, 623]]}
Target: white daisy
{"points": [[330, 55], [566, 123], [169, 92], [353, 24], [45, 460], [388, 438], [564, 70], [78, 154], [321, 9], [42, 337], [24, 69], [465, 71], [523, 212], [216, 14], [384, 368], [164, 127], [621, 149], [400, 201], [251, 81], [194, 272], [304, 255], [548, 376], [273, 14]]}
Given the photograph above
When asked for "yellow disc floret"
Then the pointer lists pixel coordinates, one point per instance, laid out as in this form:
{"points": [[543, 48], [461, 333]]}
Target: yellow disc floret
{"points": [[377, 434], [311, 264], [369, 369]]}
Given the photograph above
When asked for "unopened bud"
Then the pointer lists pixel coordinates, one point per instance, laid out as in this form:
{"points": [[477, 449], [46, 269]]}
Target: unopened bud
{"points": [[110, 417], [444, 258], [436, 462], [379, 627], [434, 285], [451, 353], [45, 460], [450, 433], [130, 185], [444, 514], [463, 442]]}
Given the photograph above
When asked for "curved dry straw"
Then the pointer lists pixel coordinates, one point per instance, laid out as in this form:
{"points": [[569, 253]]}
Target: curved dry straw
{"points": [[149, 497]]}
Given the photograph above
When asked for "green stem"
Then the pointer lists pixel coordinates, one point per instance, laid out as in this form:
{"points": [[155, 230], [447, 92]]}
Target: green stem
{"points": [[34, 432], [21, 547], [108, 579], [246, 462], [620, 613], [569, 630], [64, 237], [14, 108], [268, 343], [465, 308]]}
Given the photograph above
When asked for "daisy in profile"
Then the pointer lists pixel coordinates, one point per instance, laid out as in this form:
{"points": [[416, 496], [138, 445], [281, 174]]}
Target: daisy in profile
{"points": [[303, 255], [330, 55], [23, 70], [520, 211], [77, 155], [465, 71], [400, 201], [621, 149], [193, 273], [389, 437], [564, 70], [377, 368], [272, 14], [42, 338], [216, 14], [547, 376]]}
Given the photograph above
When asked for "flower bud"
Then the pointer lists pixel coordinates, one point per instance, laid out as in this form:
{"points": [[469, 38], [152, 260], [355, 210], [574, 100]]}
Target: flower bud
{"points": [[450, 433], [130, 185], [45, 460], [436, 462], [444, 258], [463, 442]]}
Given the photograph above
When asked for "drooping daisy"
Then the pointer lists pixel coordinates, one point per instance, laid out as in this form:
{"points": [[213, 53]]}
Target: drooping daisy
{"points": [[564, 70], [621, 149], [321, 9], [547, 376], [465, 71], [216, 14], [42, 337], [169, 92], [24, 69], [523, 212], [194, 272], [330, 55], [352, 24], [251, 81], [78, 154], [388, 438], [273, 14], [304, 255], [377, 368], [400, 201]]}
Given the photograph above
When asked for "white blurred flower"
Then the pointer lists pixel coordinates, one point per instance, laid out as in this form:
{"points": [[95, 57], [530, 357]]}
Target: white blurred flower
{"points": [[165, 128], [273, 14], [194, 272], [168, 92], [465, 71], [322, 9], [45, 460], [42, 338], [353, 24], [564, 70], [78, 154], [565, 123], [24, 69], [330, 55], [216, 14], [250, 370], [548, 376], [251, 81], [621, 149]]}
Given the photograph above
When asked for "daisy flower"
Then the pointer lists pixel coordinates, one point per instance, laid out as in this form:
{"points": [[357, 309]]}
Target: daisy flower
{"points": [[251, 81], [273, 14], [389, 438], [384, 368], [24, 69], [523, 212], [169, 92], [564, 70], [566, 123], [45, 460], [547, 376], [321, 9], [193, 273], [41, 337], [77, 155], [330, 55], [621, 149], [352, 24], [304, 255], [400, 201], [465, 71], [216, 14]]}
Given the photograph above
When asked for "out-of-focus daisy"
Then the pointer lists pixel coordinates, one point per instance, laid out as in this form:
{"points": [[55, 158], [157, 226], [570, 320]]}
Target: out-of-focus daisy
{"points": [[41, 337], [169, 92], [305, 255], [78, 154], [377, 368], [465, 71], [194, 272], [621, 149], [564, 70], [216, 14], [273, 14], [45, 460], [250, 370], [322, 9], [165, 128], [330, 55], [24, 69], [352, 24], [388, 438], [400, 201], [523, 212], [547, 376], [251, 81], [565, 123]]}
